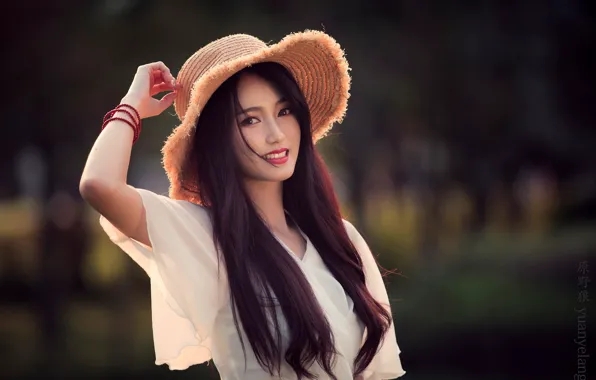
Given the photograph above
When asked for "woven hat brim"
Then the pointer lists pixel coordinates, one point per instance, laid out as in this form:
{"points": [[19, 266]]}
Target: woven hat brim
{"points": [[318, 65]]}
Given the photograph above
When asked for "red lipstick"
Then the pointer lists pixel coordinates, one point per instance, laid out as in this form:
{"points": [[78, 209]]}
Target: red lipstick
{"points": [[281, 156]]}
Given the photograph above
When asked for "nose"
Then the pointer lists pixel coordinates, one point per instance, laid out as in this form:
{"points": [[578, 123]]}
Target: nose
{"points": [[274, 133]]}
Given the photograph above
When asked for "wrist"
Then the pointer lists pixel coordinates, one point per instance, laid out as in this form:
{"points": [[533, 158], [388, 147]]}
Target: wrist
{"points": [[127, 113], [132, 100], [124, 113]]}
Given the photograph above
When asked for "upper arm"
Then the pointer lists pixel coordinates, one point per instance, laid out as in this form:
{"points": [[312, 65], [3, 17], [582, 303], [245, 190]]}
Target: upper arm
{"points": [[122, 206], [187, 288]]}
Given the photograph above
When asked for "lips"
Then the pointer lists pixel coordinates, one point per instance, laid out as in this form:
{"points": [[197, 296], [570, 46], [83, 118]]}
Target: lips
{"points": [[281, 150], [277, 157]]}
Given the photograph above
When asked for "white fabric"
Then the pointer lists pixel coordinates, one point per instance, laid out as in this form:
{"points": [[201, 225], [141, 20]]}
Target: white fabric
{"points": [[191, 313]]}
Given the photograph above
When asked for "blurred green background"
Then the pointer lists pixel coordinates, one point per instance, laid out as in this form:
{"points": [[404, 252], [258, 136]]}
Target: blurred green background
{"points": [[467, 160]]}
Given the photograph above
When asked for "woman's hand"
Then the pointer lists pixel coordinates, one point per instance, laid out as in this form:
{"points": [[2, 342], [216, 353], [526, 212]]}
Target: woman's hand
{"points": [[151, 79]]}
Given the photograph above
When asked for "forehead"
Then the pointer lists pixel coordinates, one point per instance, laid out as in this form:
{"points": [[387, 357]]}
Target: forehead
{"points": [[254, 90]]}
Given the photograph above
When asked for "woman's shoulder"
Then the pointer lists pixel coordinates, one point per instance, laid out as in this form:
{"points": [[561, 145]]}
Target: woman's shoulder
{"points": [[357, 239], [199, 212], [350, 229], [169, 208]]}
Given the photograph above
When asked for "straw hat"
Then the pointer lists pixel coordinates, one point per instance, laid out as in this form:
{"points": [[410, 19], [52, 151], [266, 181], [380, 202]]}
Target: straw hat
{"points": [[315, 60]]}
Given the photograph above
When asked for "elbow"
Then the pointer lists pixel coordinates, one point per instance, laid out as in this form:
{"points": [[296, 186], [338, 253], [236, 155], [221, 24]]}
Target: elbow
{"points": [[92, 190]]}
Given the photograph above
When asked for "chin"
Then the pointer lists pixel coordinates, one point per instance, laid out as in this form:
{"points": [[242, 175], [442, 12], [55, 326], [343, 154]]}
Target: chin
{"points": [[266, 173], [280, 177], [274, 174]]}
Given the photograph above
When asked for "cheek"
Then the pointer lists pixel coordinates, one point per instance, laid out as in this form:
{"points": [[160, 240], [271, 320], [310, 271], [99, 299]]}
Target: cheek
{"points": [[292, 131], [238, 145], [246, 157]]}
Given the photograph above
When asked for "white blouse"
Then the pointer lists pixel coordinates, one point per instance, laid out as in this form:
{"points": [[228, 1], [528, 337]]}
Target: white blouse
{"points": [[191, 312]]}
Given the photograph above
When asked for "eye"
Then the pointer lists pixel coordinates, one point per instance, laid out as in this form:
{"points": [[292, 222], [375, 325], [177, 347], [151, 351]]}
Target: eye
{"points": [[285, 111], [249, 121]]}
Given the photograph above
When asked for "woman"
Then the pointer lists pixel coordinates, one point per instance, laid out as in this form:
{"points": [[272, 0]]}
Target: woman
{"points": [[298, 293]]}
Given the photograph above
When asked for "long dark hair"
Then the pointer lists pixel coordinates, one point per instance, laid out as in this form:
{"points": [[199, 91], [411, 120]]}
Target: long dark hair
{"points": [[263, 278]]}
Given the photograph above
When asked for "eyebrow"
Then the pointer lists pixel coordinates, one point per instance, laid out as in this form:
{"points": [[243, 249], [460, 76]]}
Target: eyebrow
{"points": [[258, 108]]}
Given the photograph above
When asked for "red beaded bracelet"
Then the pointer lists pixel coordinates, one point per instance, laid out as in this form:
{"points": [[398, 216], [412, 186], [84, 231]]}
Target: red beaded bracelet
{"points": [[113, 112], [119, 108], [136, 133], [135, 127], [133, 109]]}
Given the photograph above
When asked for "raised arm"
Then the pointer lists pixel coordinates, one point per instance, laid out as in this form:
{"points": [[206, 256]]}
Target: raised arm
{"points": [[103, 183]]}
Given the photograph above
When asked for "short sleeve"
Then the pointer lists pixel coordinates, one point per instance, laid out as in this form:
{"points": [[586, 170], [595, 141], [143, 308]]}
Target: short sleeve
{"points": [[186, 290], [386, 364]]}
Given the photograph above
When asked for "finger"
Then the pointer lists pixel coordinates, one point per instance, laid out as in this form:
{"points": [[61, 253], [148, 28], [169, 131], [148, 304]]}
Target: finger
{"points": [[160, 66], [159, 77], [161, 88], [157, 66], [166, 101]]}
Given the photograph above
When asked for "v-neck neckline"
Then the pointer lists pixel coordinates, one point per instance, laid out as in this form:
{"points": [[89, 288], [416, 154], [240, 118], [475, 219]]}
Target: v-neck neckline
{"points": [[288, 249]]}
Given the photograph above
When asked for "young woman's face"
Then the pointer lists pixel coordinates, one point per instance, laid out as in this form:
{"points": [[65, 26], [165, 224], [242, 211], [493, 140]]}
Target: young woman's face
{"points": [[270, 129]]}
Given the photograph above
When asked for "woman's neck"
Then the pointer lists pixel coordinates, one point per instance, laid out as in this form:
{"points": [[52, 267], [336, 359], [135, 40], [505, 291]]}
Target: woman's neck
{"points": [[267, 197]]}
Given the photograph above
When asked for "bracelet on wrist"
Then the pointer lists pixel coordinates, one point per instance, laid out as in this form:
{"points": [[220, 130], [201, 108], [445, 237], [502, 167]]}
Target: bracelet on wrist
{"points": [[136, 124]]}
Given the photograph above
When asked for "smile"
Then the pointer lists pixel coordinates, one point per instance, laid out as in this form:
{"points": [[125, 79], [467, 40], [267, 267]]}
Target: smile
{"points": [[277, 157]]}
